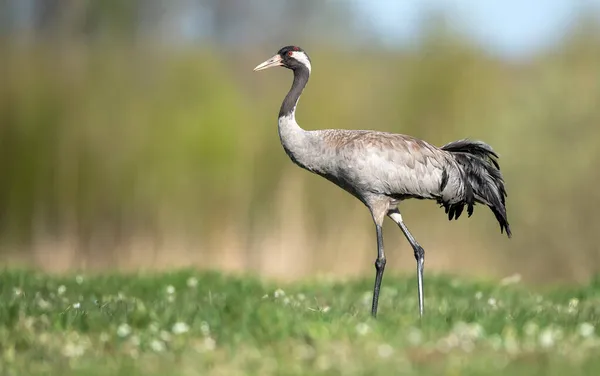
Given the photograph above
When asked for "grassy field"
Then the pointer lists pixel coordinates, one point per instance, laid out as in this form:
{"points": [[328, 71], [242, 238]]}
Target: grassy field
{"points": [[192, 323]]}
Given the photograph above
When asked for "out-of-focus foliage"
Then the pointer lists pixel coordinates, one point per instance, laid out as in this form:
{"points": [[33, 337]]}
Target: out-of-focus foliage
{"points": [[115, 153]]}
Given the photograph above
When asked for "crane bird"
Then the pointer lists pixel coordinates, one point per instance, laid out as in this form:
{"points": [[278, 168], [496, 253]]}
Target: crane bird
{"points": [[382, 169]]}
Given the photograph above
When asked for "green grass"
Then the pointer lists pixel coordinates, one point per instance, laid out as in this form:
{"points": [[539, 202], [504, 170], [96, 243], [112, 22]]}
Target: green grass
{"points": [[191, 323]]}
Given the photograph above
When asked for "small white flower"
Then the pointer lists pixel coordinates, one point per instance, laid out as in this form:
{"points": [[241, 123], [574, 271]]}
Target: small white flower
{"points": [[170, 290], [157, 345], [165, 336], [530, 329], [192, 282], [135, 340], [547, 338], [72, 350], [301, 297], [492, 302], [180, 328], [62, 289], [278, 293], [18, 291], [325, 309], [573, 303], [209, 344], [384, 350], [204, 328], [586, 329], [362, 328], [79, 279], [265, 296], [76, 305], [123, 330], [44, 304], [414, 336], [286, 300], [478, 295]]}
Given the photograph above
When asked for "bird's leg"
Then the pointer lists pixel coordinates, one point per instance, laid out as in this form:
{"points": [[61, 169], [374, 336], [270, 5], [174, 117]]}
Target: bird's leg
{"points": [[379, 268], [394, 214]]}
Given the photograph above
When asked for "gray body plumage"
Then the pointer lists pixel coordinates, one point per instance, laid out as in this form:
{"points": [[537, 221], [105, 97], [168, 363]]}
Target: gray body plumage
{"points": [[381, 169]]}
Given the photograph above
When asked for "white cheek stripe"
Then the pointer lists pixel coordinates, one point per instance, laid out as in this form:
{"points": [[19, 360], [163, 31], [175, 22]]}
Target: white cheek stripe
{"points": [[301, 57]]}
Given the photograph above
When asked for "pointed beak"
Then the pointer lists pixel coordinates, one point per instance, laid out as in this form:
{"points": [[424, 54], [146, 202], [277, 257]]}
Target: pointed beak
{"points": [[275, 61]]}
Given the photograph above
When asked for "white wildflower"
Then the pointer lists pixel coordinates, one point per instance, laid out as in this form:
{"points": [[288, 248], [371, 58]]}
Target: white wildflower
{"points": [[586, 329], [573, 303], [478, 295], [286, 300], [384, 350], [530, 329], [414, 336], [76, 305], [73, 350], [44, 304], [362, 328], [165, 336], [265, 296], [170, 290], [157, 345], [209, 344], [62, 289], [192, 282], [547, 338], [79, 279], [492, 302], [278, 293], [301, 297], [123, 330], [180, 328], [18, 291], [204, 328], [325, 309], [135, 340]]}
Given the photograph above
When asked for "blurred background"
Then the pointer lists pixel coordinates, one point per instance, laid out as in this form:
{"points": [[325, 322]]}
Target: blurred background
{"points": [[134, 134]]}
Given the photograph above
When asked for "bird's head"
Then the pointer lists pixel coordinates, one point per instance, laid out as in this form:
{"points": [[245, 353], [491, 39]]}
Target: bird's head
{"points": [[290, 57]]}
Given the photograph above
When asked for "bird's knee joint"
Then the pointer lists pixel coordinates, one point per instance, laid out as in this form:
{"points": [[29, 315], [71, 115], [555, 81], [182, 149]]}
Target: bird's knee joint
{"points": [[419, 253], [380, 263]]}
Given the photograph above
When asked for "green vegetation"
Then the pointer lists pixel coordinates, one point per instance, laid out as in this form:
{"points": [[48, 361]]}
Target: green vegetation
{"points": [[135, 156], [191, 323]]}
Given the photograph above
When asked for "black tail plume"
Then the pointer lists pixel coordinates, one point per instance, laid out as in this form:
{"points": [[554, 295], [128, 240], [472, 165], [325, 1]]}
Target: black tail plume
{"points": [[483, 180]]}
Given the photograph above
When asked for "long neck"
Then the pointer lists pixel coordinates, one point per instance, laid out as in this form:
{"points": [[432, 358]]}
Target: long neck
{"points": [[288, 107], [294, 139]]}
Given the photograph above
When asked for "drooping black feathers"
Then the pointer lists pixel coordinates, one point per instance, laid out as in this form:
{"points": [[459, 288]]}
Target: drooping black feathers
{"points": [[482, 178]]}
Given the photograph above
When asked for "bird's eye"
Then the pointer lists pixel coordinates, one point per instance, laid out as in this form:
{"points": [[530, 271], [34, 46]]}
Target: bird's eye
{"points": [[290, 53]]}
